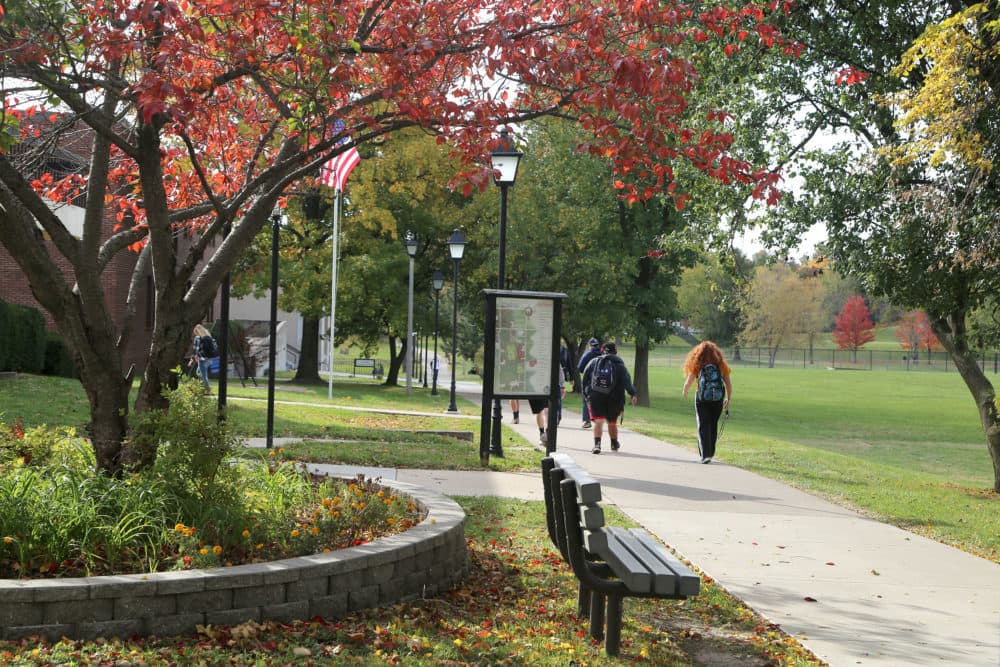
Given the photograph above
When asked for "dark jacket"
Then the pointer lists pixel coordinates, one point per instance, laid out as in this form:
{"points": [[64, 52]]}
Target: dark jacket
{"points": [[591, 354], [623, 383]]}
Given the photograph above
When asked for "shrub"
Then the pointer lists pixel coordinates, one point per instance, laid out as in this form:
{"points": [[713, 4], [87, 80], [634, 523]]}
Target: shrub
{"points": [[22, 338], [58, 360]]}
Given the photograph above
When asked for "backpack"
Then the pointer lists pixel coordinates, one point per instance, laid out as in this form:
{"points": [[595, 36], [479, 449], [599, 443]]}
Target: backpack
{"points": [[710, 385], [603, 377], [209, 348]]}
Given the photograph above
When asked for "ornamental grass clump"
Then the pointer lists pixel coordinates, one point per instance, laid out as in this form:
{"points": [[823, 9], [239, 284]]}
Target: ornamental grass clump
{"points": [[196, 506]]}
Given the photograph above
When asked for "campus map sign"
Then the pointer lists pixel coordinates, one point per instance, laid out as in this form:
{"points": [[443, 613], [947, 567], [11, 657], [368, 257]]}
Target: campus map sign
{"points": [[523, 360]]}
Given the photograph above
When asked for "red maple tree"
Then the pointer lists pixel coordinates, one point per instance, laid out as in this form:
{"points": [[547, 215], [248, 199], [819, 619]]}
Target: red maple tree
{"points": [[203, 114], [853, 327]]}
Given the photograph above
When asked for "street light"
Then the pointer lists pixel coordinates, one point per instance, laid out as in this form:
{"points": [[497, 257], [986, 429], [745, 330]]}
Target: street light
{"points": [[411, 249], [437, 282], [504, 160], [276, 216], [456, 246]]}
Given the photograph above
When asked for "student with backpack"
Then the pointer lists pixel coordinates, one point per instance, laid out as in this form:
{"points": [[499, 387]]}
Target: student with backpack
{"points": [[605, 381], [706, 366], [205, 349]]}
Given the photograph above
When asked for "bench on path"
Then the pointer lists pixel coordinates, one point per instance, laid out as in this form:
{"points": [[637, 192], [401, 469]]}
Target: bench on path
{"points": [[611, 562]]}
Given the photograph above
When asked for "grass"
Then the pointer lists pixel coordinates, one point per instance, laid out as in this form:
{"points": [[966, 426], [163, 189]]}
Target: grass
{"points": [[905, 448], [516, 607]]}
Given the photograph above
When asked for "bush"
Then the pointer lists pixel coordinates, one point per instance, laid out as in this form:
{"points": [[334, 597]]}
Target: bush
{"points": [[197, 506], [22, 339], [58, 360]]}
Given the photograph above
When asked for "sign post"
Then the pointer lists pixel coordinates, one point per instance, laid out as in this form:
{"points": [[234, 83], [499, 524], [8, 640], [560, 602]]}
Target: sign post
{"points": [[521, 354]]}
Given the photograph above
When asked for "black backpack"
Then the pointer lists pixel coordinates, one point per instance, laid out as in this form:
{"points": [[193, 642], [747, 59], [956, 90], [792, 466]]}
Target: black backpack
{"points": [[710, 384], [603, 378], [209, 348]]}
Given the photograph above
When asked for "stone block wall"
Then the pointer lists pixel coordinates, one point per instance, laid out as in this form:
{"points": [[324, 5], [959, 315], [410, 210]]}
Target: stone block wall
{"points": [[429, 558]]}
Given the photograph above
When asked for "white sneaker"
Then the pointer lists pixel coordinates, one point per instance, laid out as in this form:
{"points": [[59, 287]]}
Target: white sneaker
{"points": [[706, 459], [542, 439], [596, 449]]}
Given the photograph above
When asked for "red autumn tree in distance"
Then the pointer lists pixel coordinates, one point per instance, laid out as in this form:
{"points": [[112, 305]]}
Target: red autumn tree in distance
{"points": [[914, 332], [853, 327], [202, 115]]}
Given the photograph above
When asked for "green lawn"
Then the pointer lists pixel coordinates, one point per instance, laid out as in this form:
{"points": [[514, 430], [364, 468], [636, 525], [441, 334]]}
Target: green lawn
{"points": [[906, 448]]}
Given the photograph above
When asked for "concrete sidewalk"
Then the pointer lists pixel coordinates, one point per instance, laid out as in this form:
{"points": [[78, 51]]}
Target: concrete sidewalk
{"points": [[853, 590]]}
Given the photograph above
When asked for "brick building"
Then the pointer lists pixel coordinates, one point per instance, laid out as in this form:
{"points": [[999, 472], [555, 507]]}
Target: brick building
{"points": [[69, 153]]}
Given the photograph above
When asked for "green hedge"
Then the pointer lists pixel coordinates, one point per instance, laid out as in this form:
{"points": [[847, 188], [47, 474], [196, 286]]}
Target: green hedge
{"points": [[58, 360], [22, 339]]}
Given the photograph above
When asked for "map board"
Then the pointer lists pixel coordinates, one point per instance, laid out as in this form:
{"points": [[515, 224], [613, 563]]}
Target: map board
{"points": [[523, 358]]}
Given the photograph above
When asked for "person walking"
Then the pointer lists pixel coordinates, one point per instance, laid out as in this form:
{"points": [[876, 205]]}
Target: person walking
{"points": [[706, 366], [605, 381], [593, 350], [540, 408], [204, 349]]}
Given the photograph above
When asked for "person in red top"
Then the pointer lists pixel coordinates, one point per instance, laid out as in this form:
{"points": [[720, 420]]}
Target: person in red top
{"points": [[706, 366]]}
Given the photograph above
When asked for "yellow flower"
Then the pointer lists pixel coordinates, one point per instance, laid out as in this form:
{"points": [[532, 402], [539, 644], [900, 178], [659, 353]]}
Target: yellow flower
{"points": [[381, 494], [8, 539], [204, 551], [260, 547], [179, 527], [295, 532], [216, 550], [271, 453], [315, 530], [391, 521]]}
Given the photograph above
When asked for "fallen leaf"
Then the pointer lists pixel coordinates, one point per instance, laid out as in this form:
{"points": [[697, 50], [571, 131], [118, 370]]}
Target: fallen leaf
{"points": [[875, 572], [809, 599], [831, 563], [301, 651]]}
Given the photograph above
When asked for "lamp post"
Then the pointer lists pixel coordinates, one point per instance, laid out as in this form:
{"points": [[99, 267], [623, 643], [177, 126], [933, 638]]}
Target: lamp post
{"points": [[456, 246], [275, 226], [411, 249], [504, 160], [437, 282]]}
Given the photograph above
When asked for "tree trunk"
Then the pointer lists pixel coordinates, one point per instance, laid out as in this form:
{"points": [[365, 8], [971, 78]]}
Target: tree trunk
{"points": [[951, 331], [108, 425], [574, 359], [308, 370], [641, 379], [396, 362]]}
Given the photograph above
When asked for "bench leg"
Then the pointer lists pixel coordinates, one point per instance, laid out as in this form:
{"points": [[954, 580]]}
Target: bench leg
{"points": [[614, 639], [597, 615], [583, 601]]}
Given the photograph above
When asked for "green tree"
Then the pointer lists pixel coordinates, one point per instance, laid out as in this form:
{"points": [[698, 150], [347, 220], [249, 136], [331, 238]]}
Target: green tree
{"points": [[908, 191]]}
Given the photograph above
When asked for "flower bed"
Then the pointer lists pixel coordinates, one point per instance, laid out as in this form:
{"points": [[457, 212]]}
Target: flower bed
{"points": [[427, 559]]}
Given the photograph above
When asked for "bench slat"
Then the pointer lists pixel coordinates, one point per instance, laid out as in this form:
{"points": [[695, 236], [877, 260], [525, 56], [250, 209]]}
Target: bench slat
{"points": [[625, 565], [591, 516], [595, 541], [688, 583], [665, 580], [588, 489]]}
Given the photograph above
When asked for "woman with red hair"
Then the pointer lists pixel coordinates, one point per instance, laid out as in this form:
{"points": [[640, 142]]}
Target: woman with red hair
{"points": [[706, 364]]}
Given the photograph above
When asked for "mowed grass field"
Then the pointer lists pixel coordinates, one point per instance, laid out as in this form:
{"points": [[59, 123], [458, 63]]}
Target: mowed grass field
{"points": [[903, 447]]}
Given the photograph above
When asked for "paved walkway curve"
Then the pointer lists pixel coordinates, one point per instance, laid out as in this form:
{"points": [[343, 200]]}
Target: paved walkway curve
{"points": [[853, 590]]}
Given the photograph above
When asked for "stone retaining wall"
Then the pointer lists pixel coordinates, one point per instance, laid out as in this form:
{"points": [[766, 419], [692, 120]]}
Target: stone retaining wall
{"points": [[425, 560]]}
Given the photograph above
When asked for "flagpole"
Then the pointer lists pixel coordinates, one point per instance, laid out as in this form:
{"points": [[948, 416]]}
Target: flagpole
{"points": [[333, 285]]}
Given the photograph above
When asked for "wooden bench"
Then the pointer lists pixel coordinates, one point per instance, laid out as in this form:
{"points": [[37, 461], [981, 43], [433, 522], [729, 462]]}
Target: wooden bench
{"points": [[611, 562]]}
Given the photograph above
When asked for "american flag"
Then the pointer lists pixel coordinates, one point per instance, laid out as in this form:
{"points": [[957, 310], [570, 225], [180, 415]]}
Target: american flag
{"points": [[334, 173]]}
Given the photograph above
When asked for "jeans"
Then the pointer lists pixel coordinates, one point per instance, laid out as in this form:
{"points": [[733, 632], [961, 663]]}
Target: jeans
{"points": [[203, 365]]}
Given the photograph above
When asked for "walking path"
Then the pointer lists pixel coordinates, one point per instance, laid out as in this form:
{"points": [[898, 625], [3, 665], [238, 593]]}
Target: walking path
{"points": [[853, 590]]}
